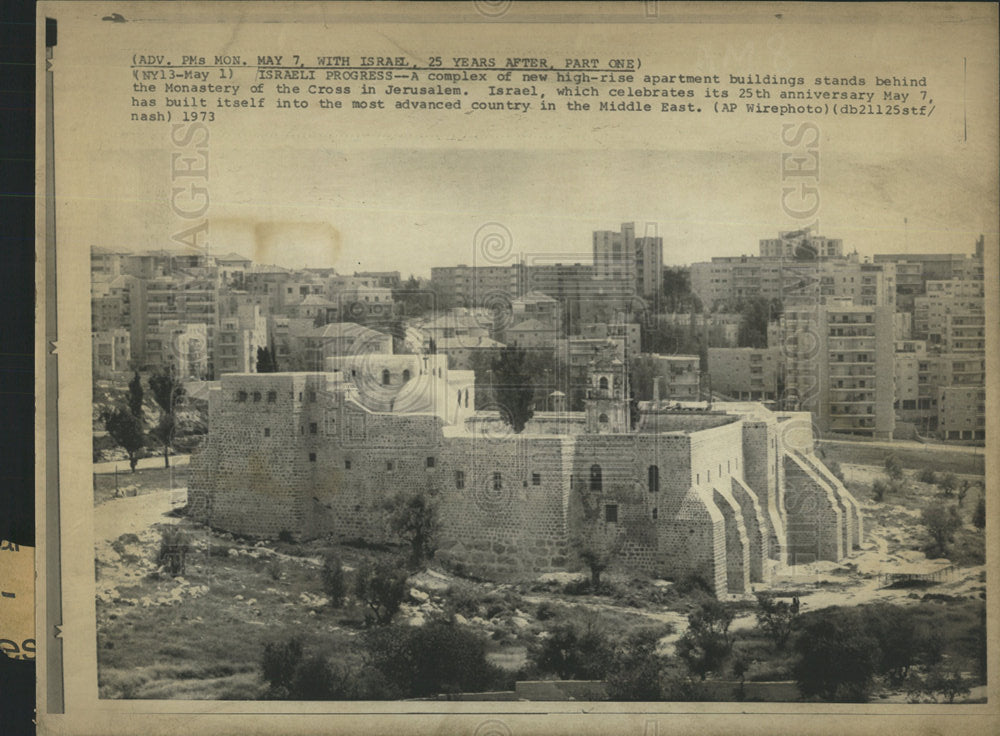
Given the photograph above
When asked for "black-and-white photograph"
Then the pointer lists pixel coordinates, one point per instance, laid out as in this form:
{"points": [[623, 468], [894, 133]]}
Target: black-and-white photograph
{"points": [[675, 396], [758, 476]]}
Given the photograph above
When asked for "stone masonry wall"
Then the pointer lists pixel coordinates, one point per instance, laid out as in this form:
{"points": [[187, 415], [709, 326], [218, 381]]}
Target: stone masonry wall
{"points": [[295, 453], [249, 478], [508, 518], [815, 518], [756, 528], [854, 528], [663, 528], [737, 543], [763, 474]]}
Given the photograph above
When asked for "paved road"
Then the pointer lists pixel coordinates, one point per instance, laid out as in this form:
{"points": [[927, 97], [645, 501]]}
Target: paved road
{"points": [[908, 445], [143, 464]]}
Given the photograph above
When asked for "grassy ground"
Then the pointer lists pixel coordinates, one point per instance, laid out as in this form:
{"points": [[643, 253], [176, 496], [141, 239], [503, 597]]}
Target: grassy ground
{"points": [[149, 480], [942, 461], [899, 512], [153, 642], [202, 635]]}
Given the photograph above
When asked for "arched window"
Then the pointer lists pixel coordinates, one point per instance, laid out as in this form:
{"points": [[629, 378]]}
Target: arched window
{"points": [[654, 479], [603, 384], [603, 419], [385, 377], [406, 375], [596, 478]]}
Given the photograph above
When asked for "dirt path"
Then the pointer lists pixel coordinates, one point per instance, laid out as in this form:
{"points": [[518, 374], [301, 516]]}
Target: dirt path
{"points": [[136, 514]]}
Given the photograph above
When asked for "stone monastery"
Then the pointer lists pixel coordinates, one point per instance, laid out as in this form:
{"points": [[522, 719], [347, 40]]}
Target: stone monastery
{"points": [[727, 491]]}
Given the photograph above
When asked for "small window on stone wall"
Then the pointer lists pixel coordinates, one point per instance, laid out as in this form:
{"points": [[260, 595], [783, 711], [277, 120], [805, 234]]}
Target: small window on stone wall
{"points": [[497, 481], [272, 396], [267, 431], [654, 479], [430, 462], [300, 396], [611, 513], [241, 395], [655, 514], [389, 465], [256, 396], [459, 479], [536, 479], [596, 478], [313, 428], [312, 396], [312, 457], [347, 465]]}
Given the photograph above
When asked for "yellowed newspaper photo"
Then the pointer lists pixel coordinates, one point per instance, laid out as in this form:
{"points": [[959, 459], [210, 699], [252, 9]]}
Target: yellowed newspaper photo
{"points": [[504, 368]]}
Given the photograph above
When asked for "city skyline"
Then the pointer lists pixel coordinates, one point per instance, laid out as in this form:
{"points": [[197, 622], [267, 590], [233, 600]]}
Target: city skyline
{"points": [[266, 249]]}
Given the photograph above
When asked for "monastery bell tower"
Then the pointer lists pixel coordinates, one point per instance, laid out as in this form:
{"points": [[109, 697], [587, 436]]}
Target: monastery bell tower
{"points": [[606, 404]]}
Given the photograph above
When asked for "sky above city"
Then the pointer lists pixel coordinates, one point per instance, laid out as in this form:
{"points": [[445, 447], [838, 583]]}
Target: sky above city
{"points": [[409, 210]]}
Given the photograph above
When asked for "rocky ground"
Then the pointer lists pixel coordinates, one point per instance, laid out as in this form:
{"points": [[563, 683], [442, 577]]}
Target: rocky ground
{"points": [[201, 634]]}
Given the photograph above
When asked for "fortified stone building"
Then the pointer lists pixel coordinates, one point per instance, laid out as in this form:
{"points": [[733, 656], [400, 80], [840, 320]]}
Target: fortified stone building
{"points": [[726, 492]]}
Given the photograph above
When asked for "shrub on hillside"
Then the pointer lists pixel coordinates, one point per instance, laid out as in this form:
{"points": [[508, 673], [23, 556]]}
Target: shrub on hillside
{"points": [[946, 684], [893, 468], [438, 657], [546, 611], [174, 547], [693, 584], [948, 483], [838, 658], [574, 651], [635, 672], [882, 488], [464, 599], [334, 582], [903, 643], [776, 618], [706, 645], [278, 665], [290, 674], [941, 523], [979, 515], [381, 587]]}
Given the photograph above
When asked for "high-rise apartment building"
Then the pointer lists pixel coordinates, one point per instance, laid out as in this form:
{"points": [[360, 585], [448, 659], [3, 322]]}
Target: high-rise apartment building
{"points": [[621, 256], [839, 364]]}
